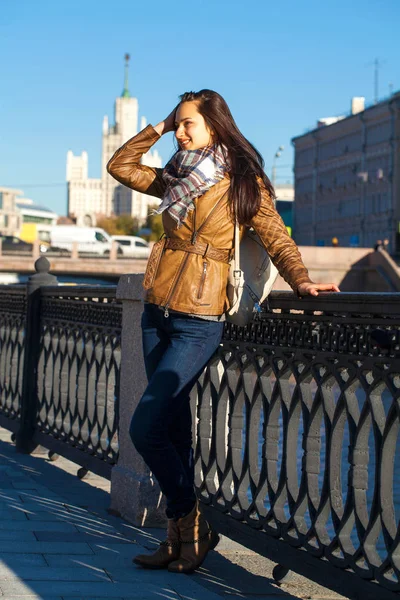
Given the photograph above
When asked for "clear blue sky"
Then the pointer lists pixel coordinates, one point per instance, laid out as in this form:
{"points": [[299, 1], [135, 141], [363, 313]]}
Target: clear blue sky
{"points": [[280, 65]]}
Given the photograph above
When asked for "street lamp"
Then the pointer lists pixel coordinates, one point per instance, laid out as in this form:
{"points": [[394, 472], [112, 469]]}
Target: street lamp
{"points": [[276, 155]]}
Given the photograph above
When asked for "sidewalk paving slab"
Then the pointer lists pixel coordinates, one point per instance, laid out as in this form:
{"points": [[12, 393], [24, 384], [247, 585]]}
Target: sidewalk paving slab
{"points": [[16, 561], [37, 526], [70, 548], [148, 591], [79, 536], [9, 495], [40, 506], [48, 516], [46, 573], [103, 561], [95, 525], [50, 548], [16, 536], [7, 515], [34, 597]]}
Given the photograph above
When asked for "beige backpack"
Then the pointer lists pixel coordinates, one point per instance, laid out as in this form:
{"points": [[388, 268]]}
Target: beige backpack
{"points": [[252, 275]]}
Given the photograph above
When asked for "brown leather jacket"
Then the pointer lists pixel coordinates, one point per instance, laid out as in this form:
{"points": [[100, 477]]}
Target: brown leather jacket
{"points": [[192, 278]]}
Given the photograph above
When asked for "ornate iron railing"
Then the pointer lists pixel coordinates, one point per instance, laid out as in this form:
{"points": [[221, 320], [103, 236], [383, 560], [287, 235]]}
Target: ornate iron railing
{"points": [[13, 302], [78, 374], [298, 420], [297, 437], [64, 395]]}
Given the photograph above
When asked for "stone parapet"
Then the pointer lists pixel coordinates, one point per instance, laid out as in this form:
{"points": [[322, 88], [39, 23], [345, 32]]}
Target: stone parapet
{"points": [[60, 265], [135, 494]]}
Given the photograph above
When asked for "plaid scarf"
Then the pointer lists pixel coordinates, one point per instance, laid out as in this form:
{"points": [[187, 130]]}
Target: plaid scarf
{"points": [[188, 175]]}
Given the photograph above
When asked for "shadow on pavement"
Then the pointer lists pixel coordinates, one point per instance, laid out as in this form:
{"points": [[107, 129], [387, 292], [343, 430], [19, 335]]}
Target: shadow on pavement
{"points": [[58, 541]]}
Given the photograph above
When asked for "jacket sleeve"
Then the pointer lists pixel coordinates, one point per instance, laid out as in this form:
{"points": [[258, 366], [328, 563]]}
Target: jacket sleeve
{"points": [[278, 243], [125, 165]]}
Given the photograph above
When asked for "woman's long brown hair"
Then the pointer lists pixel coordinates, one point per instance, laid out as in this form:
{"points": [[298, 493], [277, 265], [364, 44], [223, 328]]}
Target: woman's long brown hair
{"points": [[245, 162]]}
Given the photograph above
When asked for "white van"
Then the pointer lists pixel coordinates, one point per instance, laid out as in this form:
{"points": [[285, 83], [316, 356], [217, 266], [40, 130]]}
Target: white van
{"points": [[91, 240], [132, 246]]}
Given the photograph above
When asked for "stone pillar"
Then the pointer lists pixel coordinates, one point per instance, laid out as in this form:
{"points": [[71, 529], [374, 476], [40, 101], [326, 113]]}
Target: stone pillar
{"points": [[114, 250], [28, 423], [135, 494], [75, 253], [36, 249]]}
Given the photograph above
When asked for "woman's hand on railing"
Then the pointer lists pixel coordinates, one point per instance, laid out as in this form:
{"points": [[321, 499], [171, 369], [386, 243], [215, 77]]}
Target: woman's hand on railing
{"points": [[312, 289]]}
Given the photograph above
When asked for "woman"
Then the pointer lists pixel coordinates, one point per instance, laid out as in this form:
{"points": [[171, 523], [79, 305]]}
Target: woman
{"points": [[215, 174]]}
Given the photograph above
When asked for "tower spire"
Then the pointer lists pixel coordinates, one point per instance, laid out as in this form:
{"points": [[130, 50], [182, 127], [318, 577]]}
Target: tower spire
{"points": [[125, 93]]}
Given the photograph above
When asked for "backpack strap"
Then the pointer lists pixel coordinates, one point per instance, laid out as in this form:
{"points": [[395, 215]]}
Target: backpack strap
{"points": [[237, 244], [237, 271]]}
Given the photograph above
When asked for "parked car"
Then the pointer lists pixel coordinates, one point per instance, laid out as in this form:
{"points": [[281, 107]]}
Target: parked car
{"points": [[132, 246], [91, 240], [11, 243], [30, 232]]}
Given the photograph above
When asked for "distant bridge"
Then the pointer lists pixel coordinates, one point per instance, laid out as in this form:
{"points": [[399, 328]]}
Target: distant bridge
{"points": [[60, 265], [353, 269]]}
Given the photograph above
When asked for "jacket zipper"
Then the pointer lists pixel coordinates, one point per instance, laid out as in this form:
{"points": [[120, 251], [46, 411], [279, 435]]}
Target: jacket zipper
{"points": [[194, 238], [202, 281], [166, 306]]}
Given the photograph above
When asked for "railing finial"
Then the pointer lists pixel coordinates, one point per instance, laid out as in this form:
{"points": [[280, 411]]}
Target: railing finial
{"points": [[42, 276], [42, 265]]}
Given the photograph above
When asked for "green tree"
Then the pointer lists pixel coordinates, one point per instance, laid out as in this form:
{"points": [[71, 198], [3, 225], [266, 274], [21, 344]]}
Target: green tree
{"points": [[154, 222], [107, 223], [127, 225], [118, 225]]}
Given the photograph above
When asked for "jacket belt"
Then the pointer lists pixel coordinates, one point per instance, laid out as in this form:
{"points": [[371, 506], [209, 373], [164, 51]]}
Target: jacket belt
{"points": [[205, 250]]}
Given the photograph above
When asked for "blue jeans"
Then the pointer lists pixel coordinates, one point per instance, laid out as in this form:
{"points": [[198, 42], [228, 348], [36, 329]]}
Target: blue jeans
{"points": [[176, 350]]}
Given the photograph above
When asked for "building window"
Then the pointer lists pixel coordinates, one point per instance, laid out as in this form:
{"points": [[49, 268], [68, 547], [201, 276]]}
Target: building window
{"points": [[1, 200], [35, 219]]}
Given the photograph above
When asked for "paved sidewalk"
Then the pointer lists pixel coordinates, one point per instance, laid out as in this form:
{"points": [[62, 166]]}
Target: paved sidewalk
{"points": [[57, 541]]}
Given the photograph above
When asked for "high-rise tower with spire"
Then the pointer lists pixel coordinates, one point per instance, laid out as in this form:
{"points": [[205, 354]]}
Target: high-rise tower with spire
{"points": [[106, 196], [126, 125]]}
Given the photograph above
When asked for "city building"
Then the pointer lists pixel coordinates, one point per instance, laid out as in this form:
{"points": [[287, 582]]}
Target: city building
{"points": [[10, 217], [87, 197], [284, 203], [35, 221], [84, 194], [347, 178], [33, 213], [20, 217]]}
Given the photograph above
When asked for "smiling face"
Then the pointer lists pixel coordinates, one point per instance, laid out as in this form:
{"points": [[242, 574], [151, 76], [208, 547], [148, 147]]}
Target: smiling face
{"points": [[191, 130]]}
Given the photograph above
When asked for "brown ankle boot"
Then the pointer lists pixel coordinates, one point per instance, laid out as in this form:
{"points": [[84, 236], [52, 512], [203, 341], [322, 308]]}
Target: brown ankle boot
{"points": [[197, 538], [167, 552]]}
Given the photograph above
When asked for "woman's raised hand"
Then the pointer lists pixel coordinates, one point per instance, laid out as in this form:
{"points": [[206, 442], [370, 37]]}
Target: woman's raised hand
{"points": [[169, 122], [312, 289], [167, 125]]}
